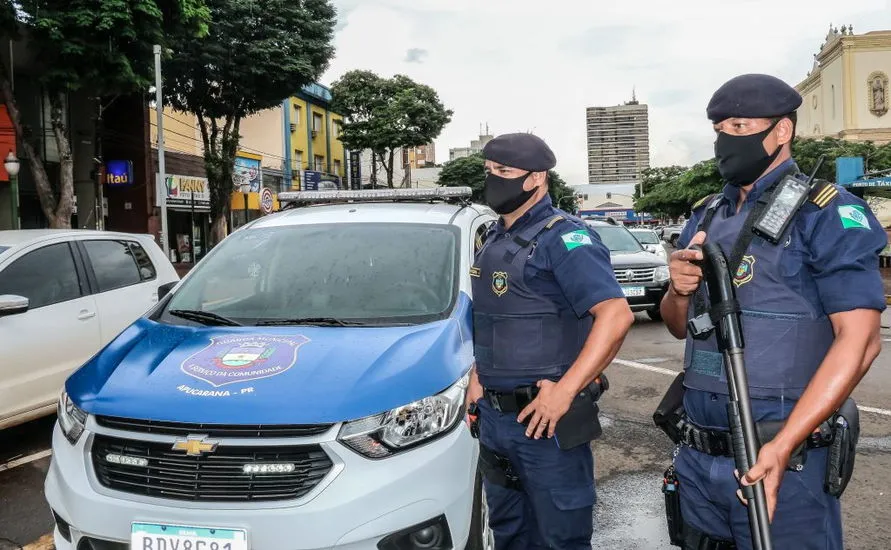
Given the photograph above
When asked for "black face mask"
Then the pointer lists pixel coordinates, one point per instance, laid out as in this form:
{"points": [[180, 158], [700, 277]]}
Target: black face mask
{"points": [[505, 195], [742, 159]]}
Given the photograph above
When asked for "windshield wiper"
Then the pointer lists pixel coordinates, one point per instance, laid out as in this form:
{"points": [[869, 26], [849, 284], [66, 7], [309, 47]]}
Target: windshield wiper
{"points": [[323, 321], [204, 317]]}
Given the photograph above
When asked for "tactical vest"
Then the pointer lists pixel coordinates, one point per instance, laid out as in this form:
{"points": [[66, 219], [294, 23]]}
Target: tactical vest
{"points": [[518, 333], [785, 336]]}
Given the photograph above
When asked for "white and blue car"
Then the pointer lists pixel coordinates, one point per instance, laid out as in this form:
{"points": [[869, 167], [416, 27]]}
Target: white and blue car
{"points": [[302, 388]]}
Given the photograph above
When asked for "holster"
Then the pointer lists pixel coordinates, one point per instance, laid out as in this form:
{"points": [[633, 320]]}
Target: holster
{"points": [[498, 469], [840, 460], [670, 411]]}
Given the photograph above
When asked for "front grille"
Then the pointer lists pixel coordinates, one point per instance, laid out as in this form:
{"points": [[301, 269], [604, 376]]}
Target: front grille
{"points": [[212, 430], [635, 275], [213, 477]]}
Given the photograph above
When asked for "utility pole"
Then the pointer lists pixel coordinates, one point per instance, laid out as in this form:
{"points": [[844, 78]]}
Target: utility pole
{"points": [[161, 181]]}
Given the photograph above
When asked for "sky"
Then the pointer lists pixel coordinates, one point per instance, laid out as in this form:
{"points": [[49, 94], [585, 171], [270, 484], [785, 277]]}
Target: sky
{"points": [[528, 65]]}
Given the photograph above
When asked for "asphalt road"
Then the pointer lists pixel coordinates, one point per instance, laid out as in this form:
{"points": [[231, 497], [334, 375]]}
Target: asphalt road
{"points": [[630, 458]]}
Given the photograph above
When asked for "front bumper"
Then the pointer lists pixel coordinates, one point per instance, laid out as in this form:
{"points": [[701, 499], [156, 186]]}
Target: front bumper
{"points": [[651, 298], [359, 502]]}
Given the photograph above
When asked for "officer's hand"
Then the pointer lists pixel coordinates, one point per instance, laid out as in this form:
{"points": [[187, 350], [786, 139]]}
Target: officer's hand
{"points": [[686, 276], [771, 465], [546, 409], [474, 394]]}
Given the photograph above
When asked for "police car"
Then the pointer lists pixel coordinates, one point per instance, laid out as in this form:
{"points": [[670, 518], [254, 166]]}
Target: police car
{"points": [[301, 388]]}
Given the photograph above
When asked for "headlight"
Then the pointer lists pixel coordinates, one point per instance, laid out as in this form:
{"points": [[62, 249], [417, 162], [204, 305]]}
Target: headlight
{"points": [[661, 274], [71, 419], [385, 434]]}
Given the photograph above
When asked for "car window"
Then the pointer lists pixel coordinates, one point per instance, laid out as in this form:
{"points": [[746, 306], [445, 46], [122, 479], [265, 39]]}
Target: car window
{"points": [[3, 249], [376, 273], [646, 237], [113, 264], [618, 239], [147, 269], [45, 276]]}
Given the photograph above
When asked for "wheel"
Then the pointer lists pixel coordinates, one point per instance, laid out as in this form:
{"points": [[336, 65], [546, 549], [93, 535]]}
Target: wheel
{"points": [[481, 537], [654, 314], [674, 241]]}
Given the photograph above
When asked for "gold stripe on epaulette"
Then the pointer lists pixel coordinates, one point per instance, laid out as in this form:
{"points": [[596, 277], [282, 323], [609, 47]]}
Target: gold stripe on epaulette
{"points": [[553, 221], [825, 196], [701, 201], [478, 242], [474, 272]]}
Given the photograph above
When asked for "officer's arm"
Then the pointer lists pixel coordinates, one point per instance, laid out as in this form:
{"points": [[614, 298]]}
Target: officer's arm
{"points": [[844, 260], [585, 275]]}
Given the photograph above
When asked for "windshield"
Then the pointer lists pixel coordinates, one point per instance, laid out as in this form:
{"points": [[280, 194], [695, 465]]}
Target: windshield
{"points": [[646, 237], [3, 249], [374, 273], [618, 239]]}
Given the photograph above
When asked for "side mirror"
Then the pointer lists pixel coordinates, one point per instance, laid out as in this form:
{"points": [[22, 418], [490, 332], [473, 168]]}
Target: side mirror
{"points": [[165, 289], [10, 304]]}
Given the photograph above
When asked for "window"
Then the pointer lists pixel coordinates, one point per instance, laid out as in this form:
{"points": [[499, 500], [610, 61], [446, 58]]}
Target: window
{"points": [[337, 167], [316, 122], [335, 129], [46, 276], [143, 261], [319, 164], [298, 158], [113, 264], [297, 112]]}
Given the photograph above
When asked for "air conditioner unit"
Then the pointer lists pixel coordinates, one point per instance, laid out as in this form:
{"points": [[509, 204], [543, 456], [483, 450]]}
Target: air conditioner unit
{"points": [[315, 133], [293, 127]]}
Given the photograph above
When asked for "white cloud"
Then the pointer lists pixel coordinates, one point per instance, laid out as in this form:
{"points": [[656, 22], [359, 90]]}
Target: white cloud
{"points": [[531, 65]]}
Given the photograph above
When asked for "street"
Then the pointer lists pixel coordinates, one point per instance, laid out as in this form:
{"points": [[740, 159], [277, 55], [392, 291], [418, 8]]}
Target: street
{"points": [[630, 457]]}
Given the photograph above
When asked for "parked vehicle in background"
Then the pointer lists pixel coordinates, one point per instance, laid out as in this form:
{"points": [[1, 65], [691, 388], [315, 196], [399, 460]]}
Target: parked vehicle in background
{"points": [[642, 275], [650, 241], [64, 295], [671, 233]]}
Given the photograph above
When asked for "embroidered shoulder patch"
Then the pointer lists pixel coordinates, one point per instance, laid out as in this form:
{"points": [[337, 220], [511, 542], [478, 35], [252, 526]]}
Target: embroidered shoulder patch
{"points": [[575, 239], [853, 216]]}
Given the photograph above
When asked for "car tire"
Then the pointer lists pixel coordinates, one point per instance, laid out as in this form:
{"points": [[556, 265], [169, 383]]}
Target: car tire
{"points": [[481, 536], [654, 314], [674, 241]]}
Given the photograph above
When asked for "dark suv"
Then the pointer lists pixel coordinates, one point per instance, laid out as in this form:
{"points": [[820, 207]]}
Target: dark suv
{"points": [[642, 274]]}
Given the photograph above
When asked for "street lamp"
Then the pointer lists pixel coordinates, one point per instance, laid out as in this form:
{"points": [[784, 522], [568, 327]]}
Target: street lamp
{"points": [[245, 188], [12, 166]]}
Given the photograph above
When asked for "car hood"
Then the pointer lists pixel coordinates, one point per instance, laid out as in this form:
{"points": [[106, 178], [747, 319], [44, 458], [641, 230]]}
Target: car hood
{"points": [[636, 259], [271, 375]]}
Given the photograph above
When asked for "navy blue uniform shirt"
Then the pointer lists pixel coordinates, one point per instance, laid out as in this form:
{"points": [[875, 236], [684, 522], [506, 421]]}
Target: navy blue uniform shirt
{"points": [[843, 271], [574, 277]]}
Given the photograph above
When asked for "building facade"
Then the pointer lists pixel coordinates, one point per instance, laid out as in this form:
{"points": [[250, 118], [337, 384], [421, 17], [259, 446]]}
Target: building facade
{"points": [[314, 152], [476, 146], [846, 94], [618, 143]]}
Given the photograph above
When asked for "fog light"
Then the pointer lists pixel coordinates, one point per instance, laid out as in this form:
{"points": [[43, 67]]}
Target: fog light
{"points": [[432, 535]]}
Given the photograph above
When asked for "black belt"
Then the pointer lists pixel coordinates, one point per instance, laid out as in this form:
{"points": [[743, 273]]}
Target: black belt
{"points": [[718, 442], [512, 401]]}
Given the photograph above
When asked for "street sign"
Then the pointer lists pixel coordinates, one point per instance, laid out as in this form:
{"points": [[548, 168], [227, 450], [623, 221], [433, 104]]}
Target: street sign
{"points": [[266, 201]]}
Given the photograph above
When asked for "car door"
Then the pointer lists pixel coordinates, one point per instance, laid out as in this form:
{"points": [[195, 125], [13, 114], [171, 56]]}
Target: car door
{"points": [[56, 335], [124, 282]]}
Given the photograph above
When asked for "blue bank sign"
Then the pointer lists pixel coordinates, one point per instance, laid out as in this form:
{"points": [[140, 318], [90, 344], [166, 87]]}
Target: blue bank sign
{"points": [[119, 173]]}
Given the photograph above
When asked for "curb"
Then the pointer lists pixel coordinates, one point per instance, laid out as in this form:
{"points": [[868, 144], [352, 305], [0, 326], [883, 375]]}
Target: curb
{"points": [[43, 543]]}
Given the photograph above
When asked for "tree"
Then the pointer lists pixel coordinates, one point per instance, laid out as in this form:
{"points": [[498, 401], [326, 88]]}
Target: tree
{"points": [[652, 177], [386, 114], [256, 55], [674, 197], [102, 48], [470, 171]]}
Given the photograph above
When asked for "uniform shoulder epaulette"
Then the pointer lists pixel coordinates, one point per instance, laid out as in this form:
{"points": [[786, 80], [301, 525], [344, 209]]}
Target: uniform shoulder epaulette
{"points": [[554, 221], [703, 201], [822, 193]]}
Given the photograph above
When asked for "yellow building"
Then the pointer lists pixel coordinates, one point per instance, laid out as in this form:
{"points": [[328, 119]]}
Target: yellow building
{"points": [[313, 139], [846, 94]]}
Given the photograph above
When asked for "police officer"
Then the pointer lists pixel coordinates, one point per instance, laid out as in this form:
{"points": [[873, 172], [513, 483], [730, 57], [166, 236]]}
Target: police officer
{"points": [[549, 317], [810, 314]]}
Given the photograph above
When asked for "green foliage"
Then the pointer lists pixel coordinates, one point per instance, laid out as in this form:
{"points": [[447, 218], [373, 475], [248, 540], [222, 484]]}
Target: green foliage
{"points": [[255, 55], [653, 177], [384, 114], [674, 191], [470, 171], [806, 152]]}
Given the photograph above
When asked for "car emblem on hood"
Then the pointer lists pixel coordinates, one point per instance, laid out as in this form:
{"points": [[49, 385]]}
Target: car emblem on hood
{"points": [[195, 445], [629, 274]]}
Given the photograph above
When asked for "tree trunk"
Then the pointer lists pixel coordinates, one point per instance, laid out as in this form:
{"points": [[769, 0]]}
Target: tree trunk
{"points": [[45, 193], [220, 147], [387, 162], [61, 217]]}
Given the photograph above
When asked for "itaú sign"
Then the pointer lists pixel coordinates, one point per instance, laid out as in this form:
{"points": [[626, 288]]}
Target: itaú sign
{"points": [[119, 173]]}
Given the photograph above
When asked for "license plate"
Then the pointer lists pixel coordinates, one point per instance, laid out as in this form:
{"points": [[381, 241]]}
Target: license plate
{"points": [[150, 536], [631, 291]]}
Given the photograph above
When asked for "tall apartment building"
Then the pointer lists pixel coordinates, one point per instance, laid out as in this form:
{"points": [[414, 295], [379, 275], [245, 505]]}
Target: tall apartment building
{"points": [[476, 146], [618, 143]]}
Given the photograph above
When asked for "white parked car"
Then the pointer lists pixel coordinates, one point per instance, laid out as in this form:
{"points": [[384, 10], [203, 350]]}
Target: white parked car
{"points": [[302, 389], [64, 295], [650, 241]]}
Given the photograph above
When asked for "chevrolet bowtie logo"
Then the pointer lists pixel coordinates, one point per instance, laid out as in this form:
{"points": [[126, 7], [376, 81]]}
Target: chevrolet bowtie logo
{"points": [[195, 445]]}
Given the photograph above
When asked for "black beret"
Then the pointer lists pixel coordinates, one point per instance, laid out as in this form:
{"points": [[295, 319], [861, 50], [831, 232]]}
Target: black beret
{"points": [[523, 151], [753, 96]]}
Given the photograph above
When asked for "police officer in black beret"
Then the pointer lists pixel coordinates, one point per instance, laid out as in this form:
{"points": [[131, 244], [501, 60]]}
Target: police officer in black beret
{"points": [[548, 318], [810, 304]]}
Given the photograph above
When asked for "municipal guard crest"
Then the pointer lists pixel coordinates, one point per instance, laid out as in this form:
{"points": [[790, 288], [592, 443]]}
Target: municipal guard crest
{"points": [[745, 271], [231, 359], [499, 283]]}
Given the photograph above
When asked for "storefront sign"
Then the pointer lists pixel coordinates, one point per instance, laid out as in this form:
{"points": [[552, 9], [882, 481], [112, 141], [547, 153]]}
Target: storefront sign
{"points": [[319, 181], [119, 173], [182, 190], [266, 201], [355, 170], [247, 170]]}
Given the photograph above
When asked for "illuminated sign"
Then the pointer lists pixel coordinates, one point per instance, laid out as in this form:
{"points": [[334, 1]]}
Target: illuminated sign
{"points": [[119, 173], [188, 191]]}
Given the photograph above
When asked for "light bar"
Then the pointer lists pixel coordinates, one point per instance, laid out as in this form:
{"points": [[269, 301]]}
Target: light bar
{"points": [[269, 468], [126, 460], [375, 194]]}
